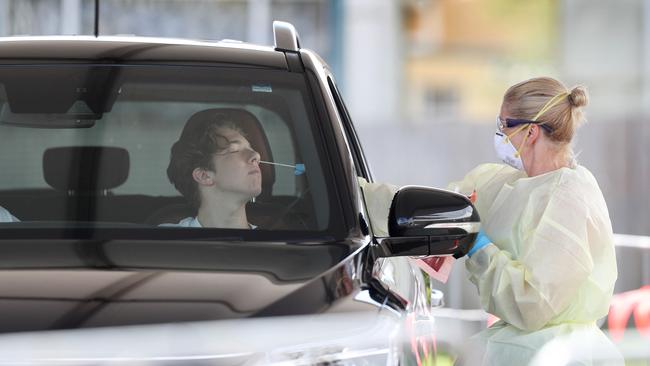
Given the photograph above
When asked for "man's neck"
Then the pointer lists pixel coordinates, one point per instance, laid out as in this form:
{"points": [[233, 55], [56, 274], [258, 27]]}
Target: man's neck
{"points": [[223, 213]]}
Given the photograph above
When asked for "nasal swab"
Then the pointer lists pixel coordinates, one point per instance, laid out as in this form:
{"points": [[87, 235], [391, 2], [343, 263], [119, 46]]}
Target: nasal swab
{"points": [[280, 164], [298, 169]]}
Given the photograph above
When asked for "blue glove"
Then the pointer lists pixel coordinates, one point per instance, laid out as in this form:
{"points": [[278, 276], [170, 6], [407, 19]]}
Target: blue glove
{"points": [[481, 241]]}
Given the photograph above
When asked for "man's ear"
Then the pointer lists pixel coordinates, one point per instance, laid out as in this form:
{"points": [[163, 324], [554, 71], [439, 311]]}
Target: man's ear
{"points": [[202, 177]]}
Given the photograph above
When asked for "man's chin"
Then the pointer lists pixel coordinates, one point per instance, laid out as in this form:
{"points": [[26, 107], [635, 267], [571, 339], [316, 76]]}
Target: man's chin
{"points": [[257, 192], [254, 195]]}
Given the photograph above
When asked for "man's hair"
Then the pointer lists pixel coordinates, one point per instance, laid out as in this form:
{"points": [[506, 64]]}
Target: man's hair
{"points": [[195, 148]]}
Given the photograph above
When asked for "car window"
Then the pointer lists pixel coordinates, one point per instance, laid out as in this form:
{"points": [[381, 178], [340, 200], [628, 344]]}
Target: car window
{"points": [[92, 144], [361, 165]]}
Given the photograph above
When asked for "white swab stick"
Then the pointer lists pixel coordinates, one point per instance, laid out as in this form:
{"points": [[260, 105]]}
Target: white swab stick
{"points": [[268, 162]]}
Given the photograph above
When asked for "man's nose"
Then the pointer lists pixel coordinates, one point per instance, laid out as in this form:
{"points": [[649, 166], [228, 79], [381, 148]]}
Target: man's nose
{"points": [[255, 157]]}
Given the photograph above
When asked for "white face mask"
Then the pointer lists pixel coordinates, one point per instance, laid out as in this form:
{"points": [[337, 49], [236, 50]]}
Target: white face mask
{"points": [[506, 151]]}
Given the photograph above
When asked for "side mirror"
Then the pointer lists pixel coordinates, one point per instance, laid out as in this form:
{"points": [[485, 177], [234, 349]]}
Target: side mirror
{"points": [[428, 221]]}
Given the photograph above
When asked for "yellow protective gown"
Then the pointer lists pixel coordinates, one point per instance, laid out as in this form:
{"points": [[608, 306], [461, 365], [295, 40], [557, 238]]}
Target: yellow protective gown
{"points": [[378, 198], [551, 266]]}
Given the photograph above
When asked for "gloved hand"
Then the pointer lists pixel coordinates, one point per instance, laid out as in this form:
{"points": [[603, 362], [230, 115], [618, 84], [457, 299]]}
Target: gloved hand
{"points": [[481, 241]]}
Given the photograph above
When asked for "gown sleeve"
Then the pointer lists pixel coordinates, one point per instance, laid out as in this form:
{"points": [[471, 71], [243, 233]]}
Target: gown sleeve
{"points": [[553, 263], [478, 177], [378, 198]]}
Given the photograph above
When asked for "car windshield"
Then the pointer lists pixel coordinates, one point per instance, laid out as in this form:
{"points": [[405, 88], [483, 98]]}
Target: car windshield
{"points": [[90, 147]]}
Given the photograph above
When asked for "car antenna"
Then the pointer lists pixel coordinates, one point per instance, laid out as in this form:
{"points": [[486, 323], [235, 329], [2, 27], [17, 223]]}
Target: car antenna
{"points": [[96, 18]]}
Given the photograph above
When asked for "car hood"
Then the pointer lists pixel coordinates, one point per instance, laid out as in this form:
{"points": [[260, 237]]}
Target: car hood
{"points": [[78, 284], [354, 338]]}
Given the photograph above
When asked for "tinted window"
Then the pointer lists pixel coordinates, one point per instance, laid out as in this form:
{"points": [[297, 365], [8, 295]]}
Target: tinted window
{"points": [[90, 146]]}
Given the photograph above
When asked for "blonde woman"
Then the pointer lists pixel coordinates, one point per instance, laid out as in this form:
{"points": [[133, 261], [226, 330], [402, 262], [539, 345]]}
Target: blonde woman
{"points": [[544, 262]]}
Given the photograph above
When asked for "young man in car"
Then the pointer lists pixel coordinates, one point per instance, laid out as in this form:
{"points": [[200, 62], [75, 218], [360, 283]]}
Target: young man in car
{"points": [[215, 168]]}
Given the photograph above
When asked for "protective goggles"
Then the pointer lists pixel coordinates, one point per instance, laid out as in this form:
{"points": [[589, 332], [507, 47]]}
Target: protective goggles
{"points": [[514, 122]]}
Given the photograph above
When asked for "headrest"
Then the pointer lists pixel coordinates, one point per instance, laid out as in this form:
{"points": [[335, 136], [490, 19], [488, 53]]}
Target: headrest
{"points": [[254, 133], [85, 168]]}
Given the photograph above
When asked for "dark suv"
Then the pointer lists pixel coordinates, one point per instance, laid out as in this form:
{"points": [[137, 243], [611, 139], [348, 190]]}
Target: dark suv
{"points": [[89, 249]]}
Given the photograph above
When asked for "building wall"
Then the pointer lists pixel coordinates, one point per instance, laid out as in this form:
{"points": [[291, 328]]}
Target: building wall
{"points": [[604, 45], [372, 60]]}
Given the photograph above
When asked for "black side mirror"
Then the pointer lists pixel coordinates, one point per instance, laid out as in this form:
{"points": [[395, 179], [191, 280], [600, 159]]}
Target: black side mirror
{"points": [[429, 221]]}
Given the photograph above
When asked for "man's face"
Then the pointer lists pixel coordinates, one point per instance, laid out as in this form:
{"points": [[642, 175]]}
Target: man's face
{"points": [[236, 167]]}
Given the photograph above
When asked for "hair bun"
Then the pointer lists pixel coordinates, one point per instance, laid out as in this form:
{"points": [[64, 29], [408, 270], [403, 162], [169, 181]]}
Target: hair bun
{"points": [[578, 96]]}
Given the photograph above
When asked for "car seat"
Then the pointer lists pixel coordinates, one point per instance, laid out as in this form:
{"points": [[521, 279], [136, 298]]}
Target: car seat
{"points": [[83, 177], [85, 169]]}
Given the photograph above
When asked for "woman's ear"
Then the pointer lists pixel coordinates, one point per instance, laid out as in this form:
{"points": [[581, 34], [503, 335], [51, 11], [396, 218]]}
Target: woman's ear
{"points": [[202, 177], [533, 133]]}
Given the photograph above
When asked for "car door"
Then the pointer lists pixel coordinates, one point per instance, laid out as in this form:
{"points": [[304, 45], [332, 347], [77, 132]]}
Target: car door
{"points": [[399, 273]]}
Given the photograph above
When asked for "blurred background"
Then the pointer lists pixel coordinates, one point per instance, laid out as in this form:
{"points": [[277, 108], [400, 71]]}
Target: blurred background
{"points": [[423, 79]]}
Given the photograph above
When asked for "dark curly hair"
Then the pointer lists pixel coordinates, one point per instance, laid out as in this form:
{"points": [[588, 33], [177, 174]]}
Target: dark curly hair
{"points": [[198, 142]]}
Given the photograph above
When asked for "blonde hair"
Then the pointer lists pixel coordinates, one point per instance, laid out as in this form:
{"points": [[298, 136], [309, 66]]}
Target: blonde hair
{"points": [[525, 100]]}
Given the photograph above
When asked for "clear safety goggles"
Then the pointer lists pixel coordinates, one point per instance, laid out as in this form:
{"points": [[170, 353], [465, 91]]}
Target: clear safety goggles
{"points": [[514, 122]]}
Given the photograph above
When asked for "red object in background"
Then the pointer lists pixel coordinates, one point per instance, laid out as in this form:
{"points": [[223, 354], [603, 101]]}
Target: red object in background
{"points": [[491, 319], [634, 303], [472, 197], [434, 262], [423, 346], [437, 268]]}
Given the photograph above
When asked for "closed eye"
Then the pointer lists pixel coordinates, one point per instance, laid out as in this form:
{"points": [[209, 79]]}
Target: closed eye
{"points": [[233, 147]]}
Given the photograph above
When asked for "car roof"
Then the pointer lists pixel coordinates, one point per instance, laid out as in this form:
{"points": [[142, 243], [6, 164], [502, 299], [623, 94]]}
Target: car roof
{"points": [[132, 49]]}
